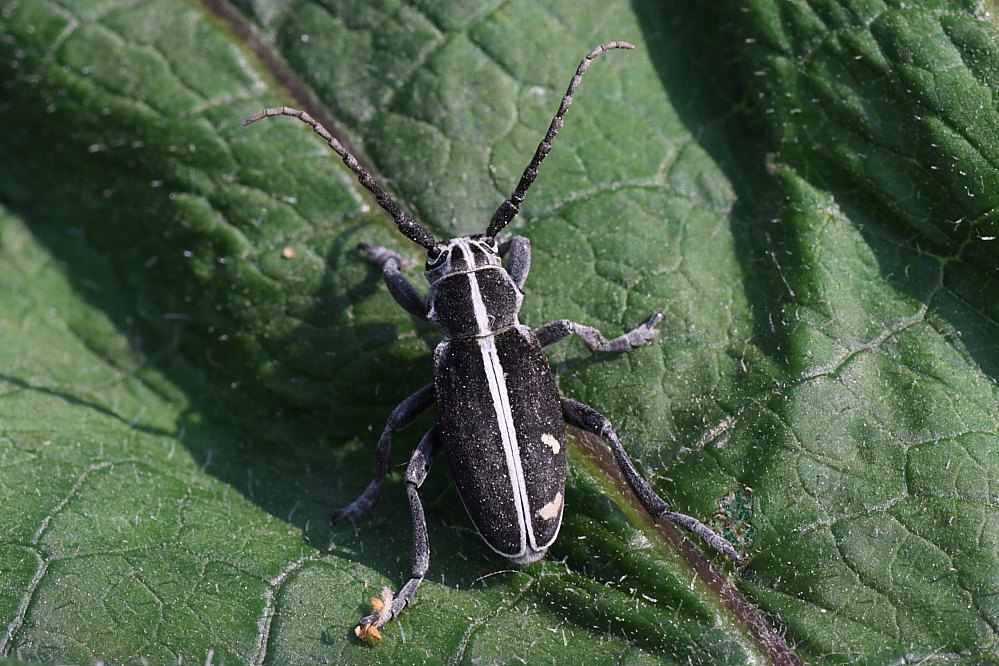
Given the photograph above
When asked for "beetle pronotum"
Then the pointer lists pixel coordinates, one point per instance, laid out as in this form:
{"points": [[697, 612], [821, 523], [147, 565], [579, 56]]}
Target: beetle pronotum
{"points": [[500, 416]]}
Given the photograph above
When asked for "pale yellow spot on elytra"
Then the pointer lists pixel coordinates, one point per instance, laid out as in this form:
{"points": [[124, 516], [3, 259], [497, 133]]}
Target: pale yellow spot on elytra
{"points": [[550, 510], [551, 441]]}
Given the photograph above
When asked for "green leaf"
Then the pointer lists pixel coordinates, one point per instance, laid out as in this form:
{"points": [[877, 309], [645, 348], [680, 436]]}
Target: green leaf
{"points": [[196, 362]]}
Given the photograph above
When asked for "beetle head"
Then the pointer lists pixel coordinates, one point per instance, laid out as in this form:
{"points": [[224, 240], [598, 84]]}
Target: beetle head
{"points": [[461, 255]]}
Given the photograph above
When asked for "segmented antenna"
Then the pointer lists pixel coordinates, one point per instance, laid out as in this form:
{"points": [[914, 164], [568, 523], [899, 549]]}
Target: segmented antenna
{"points": [[509, 208], [410, 228]]}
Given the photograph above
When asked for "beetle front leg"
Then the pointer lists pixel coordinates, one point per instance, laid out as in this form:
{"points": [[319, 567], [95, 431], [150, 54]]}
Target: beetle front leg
{"points": [[585, 417], [402, 290], [416, 473], [517, 251], [554, 331], [404, 414]]}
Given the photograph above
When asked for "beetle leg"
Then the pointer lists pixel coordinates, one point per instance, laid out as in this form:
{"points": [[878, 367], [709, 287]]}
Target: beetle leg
{"points": [[585, 417], [517, 251], [404, 414], [402, 290], [560, 329], [416, 472]]}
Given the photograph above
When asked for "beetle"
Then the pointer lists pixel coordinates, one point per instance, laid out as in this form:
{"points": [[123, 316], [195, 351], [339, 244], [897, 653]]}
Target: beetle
{"points": [[500, 417]]}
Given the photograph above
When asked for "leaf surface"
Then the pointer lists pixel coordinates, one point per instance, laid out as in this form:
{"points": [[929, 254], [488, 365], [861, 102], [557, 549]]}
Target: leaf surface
{"points": [[197, 363]]}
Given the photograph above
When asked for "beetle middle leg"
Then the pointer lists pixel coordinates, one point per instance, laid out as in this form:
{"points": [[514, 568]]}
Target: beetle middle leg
{"points": [[416, 473], [404, 414], [585, 417], [560, 329], [402, 290]]}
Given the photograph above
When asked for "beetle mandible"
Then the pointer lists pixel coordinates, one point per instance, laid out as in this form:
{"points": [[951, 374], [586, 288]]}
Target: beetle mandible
{"points": [[500, 418]]}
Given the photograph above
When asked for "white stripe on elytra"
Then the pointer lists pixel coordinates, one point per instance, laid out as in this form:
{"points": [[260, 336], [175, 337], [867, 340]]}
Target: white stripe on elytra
{"points": [[504, 415]]}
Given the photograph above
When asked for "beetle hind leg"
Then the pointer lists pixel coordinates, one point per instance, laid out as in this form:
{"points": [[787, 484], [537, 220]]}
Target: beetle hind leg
{"points": [[416, 473], [590, 420], [404, 414]]}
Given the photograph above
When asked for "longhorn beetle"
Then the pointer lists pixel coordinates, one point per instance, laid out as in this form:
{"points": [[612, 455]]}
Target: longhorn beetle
{"points": [[500, 418]]}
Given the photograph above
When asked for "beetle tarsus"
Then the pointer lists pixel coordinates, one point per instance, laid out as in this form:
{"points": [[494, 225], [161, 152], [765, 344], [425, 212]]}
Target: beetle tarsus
{"points": [[381, 255], [694, 526], [594, 340], [358, 507], [645, 333], [368, 631]]}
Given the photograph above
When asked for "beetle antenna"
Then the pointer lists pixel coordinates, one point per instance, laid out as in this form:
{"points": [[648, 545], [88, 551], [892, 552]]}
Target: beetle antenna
{"points": [[410, 228], [509, 208]]}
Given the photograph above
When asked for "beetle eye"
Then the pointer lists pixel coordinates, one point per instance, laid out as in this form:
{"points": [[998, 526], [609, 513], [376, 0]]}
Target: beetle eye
{"points": [[434, 256]]}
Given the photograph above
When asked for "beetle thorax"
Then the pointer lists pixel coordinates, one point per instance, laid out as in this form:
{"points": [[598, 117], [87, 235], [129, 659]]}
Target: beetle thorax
{"points": [[471, 294]]}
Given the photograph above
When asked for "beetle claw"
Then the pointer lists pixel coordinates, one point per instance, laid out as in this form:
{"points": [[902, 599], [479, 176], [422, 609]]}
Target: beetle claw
{"points": [[645, 333]]}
